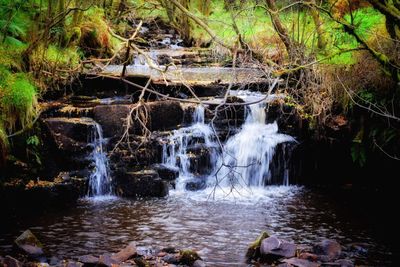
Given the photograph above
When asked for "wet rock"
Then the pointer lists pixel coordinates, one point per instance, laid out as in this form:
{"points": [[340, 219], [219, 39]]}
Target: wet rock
{"points": [[308, 256], [145, 183], [196, 185], [253, 252], [188, 257], [107, 260], [88, 259], [111, 118], [128, 252], [329, 248], [166, 173], [344, 263], [199, 263], [71, 263], [9, 261], [29, 243], [70, 134], [54, 261], [164, 114], [275, 247], [170, 250], [301, 263], [169, 258]]}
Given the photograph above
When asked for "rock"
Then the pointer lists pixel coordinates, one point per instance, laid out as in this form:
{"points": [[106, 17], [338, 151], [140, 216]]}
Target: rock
{"points": [[107, 260], [111, 118], [301, 263], [70, 134], [128, 252], [166, 173], [199, 263], [164, 114], [9, 261], [344, 263], [170, 259], [329, 248], [272, 246], [170, 250], [145, 183], [71, 263], [29, 243], [88, 259], [253, 251], [54, 261], [188, 257], [196, 184], [308, 256]]}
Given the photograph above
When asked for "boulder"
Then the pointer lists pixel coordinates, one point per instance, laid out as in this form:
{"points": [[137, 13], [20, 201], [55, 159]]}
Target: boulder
{"points": [[170, 258], [164, 114], [29, 244], [107, 260], [275, 247], [166, 173], [128, 252], [253, 252], [70, 134], [301, 263], [111, 118], [188, 257], [329, 248], [145, 183], [196, 184]]}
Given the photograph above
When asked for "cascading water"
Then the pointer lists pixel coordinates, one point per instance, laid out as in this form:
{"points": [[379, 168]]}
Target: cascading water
{"points": [[178, 150], [243, 161], [248, 154], [100, 180]]}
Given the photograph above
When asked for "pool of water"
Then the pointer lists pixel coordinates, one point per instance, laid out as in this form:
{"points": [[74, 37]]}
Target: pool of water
{"points": [[219, 226]]}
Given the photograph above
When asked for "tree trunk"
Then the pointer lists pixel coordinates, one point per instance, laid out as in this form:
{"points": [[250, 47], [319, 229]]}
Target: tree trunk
{"points": [[280, 28], [319, 25]]}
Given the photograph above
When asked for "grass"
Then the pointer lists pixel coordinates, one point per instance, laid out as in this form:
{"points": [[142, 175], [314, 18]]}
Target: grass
{"points": [[256, 28]]}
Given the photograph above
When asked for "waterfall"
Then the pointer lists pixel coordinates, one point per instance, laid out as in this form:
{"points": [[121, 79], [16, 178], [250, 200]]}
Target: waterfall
{"points": [[242, 162], [248, 154], [100, 180]]}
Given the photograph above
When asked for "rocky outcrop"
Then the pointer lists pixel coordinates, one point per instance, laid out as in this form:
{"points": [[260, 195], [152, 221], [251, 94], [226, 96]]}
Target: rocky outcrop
{"points": [[111, 118], [145, 183]]}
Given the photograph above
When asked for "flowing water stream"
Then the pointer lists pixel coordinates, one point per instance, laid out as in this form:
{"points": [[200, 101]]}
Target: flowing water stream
{"points": [[100, 179], [234, 205]]}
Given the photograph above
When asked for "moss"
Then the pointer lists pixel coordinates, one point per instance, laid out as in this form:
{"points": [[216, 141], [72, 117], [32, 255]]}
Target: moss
{"points": [[254, 248], [18, 102], [188, 257], [95, 39]]}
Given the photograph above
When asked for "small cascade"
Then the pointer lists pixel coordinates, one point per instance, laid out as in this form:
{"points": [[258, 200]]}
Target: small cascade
{"points": [[100, 180], [248, 154], [243, 161], [178, 151]]}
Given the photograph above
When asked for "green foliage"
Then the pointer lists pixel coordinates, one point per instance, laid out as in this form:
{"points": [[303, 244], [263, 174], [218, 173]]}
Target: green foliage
{"points": [[18, 101], [33, 148]]}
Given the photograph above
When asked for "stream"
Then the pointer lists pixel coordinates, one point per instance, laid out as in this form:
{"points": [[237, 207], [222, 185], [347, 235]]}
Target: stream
{"points": [[220, 202], [220, 229]]}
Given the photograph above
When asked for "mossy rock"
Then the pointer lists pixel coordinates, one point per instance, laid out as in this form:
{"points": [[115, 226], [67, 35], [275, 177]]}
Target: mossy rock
{"points": [[188, 257], [253, 252]]}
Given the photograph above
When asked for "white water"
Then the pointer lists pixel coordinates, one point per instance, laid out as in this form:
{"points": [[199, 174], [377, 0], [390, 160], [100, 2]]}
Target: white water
{"points": [[240, 169], [100, 179]]}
